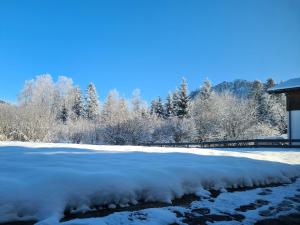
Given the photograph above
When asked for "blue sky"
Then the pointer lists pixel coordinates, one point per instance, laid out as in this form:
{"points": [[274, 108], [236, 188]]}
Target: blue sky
{"points": [[147, 44]]}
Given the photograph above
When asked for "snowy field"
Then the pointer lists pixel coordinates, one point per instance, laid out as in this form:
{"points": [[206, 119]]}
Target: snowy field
{"points": [[39, 181]]}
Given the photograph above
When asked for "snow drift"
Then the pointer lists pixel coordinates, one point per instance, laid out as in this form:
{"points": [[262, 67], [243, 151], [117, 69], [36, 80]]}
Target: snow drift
{"points": [[39, 181]]}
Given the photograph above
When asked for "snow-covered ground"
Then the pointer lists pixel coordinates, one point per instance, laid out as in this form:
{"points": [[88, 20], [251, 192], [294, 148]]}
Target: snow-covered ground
{"points": [[237, 208], [38, 181]]}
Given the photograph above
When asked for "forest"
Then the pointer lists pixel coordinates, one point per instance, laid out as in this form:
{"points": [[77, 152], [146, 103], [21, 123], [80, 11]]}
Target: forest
{"points": [[59, 111]]}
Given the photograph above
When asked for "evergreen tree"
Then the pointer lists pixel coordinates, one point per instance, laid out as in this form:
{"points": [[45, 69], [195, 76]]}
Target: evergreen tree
{"points": [[92, 102], [64, 114], [160, 108], [183, 100], [264, 114], [270, 83], [175, 98], [157, 108], [259, 97], [78, 105], [153, 107], [256, 91], [169, 106]]}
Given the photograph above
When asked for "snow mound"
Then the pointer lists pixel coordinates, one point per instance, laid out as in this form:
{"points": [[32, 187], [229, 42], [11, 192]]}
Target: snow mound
{"points": [[40, 181]]}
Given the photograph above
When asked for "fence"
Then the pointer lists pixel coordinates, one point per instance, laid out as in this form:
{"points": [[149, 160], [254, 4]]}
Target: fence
{"points": [[255, 143]]}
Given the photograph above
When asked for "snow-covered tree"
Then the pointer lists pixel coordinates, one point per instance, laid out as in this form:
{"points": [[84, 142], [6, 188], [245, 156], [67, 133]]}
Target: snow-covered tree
{"points": [[78, 103], [176, 100], [55, 111], [205, 90], [110, 108], [36, 102], [183, 130], [92, 102], [183, 100], [64, 114], [270, 83], [138, 105], [157, 108], [170, 106]]}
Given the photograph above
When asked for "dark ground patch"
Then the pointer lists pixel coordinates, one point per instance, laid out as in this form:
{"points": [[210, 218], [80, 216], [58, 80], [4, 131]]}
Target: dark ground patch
{"points": [[292, 219], [265, 192], [192, 219], [185, 201], [198, 216], [252, 206], [30, 222]]}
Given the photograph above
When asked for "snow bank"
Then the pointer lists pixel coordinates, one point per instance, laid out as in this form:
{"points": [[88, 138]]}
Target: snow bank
{"points": [[39, 181]]}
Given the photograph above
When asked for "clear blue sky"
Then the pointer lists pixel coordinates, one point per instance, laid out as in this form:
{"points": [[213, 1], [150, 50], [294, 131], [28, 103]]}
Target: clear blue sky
{"points": [[147, 44]]}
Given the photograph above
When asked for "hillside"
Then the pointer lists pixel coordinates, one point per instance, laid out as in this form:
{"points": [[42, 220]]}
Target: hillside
{"points": [[240, 88]]}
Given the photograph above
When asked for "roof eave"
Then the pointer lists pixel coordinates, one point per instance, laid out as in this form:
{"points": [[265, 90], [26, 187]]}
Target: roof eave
{"points": [[283, 90]]}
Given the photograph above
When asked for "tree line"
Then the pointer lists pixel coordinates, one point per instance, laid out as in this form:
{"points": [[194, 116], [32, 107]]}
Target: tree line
{"points": [[49, 111]]}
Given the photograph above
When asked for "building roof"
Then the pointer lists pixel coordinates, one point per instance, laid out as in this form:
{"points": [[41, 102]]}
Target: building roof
{"points": [[289, 85]]}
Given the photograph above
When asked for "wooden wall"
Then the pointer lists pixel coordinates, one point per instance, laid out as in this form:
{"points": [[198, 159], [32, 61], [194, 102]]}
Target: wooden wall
{"points": [[293, 100]]}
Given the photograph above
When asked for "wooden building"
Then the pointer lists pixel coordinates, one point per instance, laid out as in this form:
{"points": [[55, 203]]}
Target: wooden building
{"points": [[291, 89]]}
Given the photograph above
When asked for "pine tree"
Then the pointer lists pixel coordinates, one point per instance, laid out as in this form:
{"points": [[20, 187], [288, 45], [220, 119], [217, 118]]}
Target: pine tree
{"points": [[64, 114], [78, 105], [263, 109], [257, 95], [176, 100], [183, 100], [157, 108], [256, 91], [153, 107], [169, 106], [92, 102], [270, 83], [160, 108]]}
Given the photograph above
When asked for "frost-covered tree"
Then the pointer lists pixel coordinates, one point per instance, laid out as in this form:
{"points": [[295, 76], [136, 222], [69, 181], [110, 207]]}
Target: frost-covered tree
{"points": [[269, 83], [36, 102], [157, 108], [64, 86], [257, 96], [256, 91], [183, 100], [169, 106], [206, 90], [176, 99], [138, 105], [78, 103], [54, 112], [92, 103], [110, 108], [278, 116], [225, 117], [64, 114], [26, 94], [153, 107], [183, 130]]}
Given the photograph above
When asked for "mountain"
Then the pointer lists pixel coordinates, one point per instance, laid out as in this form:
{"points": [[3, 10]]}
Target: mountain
{"points": [[240, 88]]}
